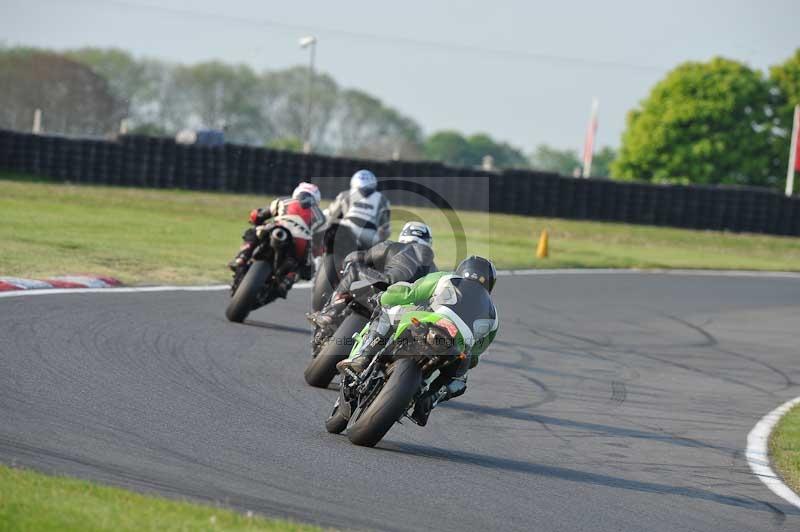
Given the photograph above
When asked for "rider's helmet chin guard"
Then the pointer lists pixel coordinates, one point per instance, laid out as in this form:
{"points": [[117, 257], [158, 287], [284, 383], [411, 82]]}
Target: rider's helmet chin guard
{"points": [[478, 269], [364, 181], [307, 194], [416, 232]]}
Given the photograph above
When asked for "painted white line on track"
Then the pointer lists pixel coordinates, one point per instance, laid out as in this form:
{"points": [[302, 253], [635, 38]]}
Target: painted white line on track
{"points": [[682, 272], [565, 271], [126, 290], [757, 453]]}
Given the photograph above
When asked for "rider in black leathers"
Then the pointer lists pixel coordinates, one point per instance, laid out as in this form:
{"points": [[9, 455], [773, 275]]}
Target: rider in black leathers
{"points": [[406, 260]]}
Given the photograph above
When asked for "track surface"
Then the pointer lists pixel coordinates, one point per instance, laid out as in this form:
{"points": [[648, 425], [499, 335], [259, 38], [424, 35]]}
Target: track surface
{"points": [[609, 402]]}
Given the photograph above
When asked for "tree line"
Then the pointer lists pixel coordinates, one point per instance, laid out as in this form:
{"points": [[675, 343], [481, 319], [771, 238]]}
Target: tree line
{"points": [[714, 122], [258, 108]]}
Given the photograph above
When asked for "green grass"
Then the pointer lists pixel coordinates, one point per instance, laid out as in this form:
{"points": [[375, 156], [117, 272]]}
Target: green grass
{"points": [[36, 502], [168, 236], [784, 448]]}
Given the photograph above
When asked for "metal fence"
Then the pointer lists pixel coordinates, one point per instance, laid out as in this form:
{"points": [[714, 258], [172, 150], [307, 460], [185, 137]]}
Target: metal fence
{"points": [[139, 161]]}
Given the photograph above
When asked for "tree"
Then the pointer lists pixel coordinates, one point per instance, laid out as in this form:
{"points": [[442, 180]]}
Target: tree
{"points": [[602, 161], [704, 123], [283, 96], [73, 99], [785, 79], [449, 147], [134, 83], [503, 154], [365, 127], [549, 159], [286, 144], [215, 95], [452, 148]]}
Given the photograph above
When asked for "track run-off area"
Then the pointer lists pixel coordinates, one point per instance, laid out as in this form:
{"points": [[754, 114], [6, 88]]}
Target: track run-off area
{"points": [[607, 402]]}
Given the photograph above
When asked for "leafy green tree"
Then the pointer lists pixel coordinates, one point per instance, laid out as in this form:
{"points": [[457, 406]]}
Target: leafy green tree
{"points": [[549, 159], [449, 147], [786, 83], [286, 144], [148, 128], [504, 155], [704, 123], [602, 161]]}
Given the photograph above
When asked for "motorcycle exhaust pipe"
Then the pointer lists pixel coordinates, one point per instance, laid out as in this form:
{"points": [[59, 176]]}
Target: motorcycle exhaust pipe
{"points": [[278, 237]]}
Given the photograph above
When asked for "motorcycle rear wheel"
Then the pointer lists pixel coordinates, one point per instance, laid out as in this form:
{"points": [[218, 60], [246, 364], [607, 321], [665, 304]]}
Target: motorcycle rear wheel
{"points": [[246, 297], [389, 406]]}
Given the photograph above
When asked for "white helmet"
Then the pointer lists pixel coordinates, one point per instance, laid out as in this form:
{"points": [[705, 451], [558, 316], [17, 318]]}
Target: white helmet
{"points": [[363, 181], [307, 194], [416, 232]]}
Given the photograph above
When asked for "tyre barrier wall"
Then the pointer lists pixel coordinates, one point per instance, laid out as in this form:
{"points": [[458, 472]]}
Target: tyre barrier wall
{"points": [[152, 162]]}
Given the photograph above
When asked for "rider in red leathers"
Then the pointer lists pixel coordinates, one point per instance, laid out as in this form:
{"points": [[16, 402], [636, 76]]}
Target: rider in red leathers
{"points": [[301, 216]]}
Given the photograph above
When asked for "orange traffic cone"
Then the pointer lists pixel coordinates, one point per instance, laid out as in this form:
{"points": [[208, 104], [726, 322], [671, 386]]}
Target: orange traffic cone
{"points": [[542, 249]]}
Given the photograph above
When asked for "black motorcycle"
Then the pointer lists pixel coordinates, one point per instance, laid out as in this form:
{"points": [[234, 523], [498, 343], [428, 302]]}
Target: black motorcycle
{"points": [[256, 283], [328, 350], [338, 242]]}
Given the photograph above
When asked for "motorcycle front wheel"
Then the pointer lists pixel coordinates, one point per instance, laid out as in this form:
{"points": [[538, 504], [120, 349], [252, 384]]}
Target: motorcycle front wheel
{"points": [[245, 298], [389, 406], [336, 422], [322, 368], [325, 282]]}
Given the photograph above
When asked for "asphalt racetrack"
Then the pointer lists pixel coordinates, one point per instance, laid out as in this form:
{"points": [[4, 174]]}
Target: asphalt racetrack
{"points": [[609, 402]]}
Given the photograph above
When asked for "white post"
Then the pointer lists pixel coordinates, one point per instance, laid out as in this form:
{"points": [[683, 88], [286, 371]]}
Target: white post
{"points": [[37, 121], [309, 42], [123, 126], [793, 151]]}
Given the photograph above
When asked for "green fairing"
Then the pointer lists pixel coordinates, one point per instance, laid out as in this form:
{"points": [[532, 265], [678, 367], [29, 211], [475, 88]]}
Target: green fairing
{"points": [[420, 293], [423, 316], [415, 294]]}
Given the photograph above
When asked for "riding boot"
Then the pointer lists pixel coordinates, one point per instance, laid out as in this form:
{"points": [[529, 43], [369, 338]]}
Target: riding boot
{"points": [[327, 318], [356, 365], [439, 392], [241, 258], [283, 287], [380, 330]]}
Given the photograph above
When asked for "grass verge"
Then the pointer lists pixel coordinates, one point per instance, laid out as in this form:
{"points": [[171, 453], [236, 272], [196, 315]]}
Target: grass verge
{"points": [[169, 236], [784, 448], [33, 501]]}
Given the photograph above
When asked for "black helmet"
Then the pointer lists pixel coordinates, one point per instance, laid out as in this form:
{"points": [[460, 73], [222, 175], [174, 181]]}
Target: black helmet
{"points": [[478, 269]]}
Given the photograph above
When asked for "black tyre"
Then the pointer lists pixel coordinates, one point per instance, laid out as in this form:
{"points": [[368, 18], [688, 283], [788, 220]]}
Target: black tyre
{"points": [[325, 282], [246, 296], [390, 404], [322, 368], [336, 422]]}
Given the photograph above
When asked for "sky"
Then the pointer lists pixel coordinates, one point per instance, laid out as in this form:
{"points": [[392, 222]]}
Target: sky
{"points": [[523, 71]]}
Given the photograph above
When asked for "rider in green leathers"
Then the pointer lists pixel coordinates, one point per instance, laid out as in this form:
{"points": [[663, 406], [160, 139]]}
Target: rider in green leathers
{"points": [[461, 297]]}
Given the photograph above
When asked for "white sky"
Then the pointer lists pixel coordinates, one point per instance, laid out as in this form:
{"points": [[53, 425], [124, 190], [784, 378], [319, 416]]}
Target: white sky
{"points": [[522, 71]]}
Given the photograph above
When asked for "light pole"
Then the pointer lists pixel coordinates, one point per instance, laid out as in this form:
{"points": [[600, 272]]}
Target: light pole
{"points": [[309, 41]]}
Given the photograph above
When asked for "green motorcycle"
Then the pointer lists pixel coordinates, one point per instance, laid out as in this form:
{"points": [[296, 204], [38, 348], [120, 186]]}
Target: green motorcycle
{"points": [[370, 403]]}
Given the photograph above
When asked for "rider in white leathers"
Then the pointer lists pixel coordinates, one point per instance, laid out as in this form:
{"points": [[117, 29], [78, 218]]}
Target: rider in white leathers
{"points": [[363, 209]]}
